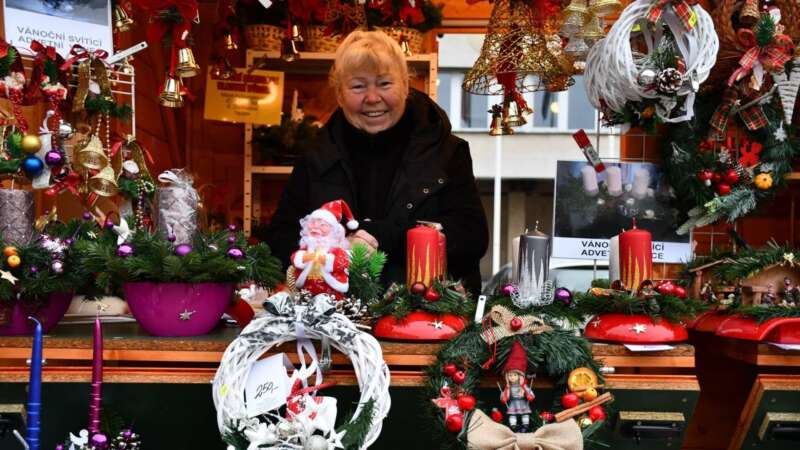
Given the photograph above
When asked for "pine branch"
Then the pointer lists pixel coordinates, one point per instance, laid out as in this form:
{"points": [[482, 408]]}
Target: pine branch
{"points": [[356, 430]]}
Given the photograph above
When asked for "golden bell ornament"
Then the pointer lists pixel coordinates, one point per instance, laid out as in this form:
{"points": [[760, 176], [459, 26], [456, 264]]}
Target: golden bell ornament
{"points": [[230, 44], [748, 16], [171, 95], [592, 29], [575, 14], [186, 67], [122, 21], [104, 183], [31, 143], [516, 119], [604, 7], [498, 129], [91, 155]]}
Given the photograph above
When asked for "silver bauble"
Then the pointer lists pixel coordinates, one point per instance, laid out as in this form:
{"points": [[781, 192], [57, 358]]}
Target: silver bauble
{"points": [[65, 130], [646, 77], [316, 442], [57, 266], [285, 429]]}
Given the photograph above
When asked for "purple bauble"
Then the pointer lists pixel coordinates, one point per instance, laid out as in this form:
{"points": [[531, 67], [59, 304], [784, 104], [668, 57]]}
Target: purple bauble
{"points": [[99, 441], [171, 238], [126, 434], [60, 447], [34, 269], [68, 241], [54, 158], [87, 215], [563, 295], [57, 266], [183, 249], [235, 253], [231, 239], [124, 250], [109, 224], [231, 228], [508, 290]]}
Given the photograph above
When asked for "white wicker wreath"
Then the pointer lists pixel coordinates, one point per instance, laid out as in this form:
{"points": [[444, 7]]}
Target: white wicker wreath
{"points": [[285, 321], [613, 69]]}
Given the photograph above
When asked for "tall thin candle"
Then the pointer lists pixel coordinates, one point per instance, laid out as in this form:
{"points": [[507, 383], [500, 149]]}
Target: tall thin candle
{"points": [[97, 378], [35, 388]]}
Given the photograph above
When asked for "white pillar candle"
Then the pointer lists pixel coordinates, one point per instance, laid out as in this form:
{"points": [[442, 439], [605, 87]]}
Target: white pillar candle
{"points": [[614, 180], [641, 181], [613, 258], [589, 177]]}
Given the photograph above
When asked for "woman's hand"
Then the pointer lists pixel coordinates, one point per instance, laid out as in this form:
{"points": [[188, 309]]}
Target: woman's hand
{"points": [[365, 238]]}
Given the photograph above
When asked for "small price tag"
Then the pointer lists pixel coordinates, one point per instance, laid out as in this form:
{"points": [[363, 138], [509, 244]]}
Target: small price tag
{"points": [[649, 348], [794, 347], [267, 385]]}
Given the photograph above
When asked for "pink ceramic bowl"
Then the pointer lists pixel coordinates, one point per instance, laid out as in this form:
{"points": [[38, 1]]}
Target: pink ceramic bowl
{"points": [[49, 314]]}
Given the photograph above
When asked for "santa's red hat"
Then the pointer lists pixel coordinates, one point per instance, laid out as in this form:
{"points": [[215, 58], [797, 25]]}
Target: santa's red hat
{"points": [[333, 211], [517, 359]]}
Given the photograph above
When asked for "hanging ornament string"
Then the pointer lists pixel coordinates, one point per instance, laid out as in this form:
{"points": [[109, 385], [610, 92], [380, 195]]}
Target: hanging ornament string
{"points": [[614, 71]]}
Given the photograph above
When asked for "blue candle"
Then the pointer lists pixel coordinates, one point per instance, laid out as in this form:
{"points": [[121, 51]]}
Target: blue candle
{"points": [[35, 388]]}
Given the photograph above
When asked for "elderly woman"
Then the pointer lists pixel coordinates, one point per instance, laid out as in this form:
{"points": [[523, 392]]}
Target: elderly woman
{"points": [[389, 152]]}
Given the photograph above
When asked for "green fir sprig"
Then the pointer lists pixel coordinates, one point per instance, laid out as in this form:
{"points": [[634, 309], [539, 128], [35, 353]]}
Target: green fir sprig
{"points": [[762, 314], [95, 104], [748, 263], [399, 300], [666, 307], [365, 273], [7, 61]]}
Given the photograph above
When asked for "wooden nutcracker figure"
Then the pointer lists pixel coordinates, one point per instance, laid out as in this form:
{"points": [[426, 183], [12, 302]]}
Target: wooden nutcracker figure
{"points": [[320, 265], [517, 395]]}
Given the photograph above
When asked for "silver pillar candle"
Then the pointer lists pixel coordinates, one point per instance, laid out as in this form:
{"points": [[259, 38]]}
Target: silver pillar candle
{"points": [[177, 206], [16, 215], [534, 266]]}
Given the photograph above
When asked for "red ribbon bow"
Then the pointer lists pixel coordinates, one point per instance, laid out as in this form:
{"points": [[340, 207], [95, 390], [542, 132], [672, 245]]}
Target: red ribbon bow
{"points": [[79, 53], [772, 56], [682, 9]]}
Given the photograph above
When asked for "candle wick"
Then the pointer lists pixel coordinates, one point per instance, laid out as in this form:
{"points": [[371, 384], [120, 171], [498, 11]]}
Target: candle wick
{"points": [[634, 222]]}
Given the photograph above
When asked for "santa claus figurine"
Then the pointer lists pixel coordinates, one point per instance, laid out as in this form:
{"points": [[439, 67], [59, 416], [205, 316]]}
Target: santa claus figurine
{"points": [[517, 395], [320, 266]]}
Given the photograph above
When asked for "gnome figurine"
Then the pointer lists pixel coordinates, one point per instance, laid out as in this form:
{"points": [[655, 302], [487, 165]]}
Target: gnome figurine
{"points": [[517, 395]]}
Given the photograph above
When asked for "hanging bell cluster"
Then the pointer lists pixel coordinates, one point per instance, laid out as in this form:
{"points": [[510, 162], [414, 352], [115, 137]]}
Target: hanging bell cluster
{"points": [[291, 45], [583, 25], [104, 182], [122, 21], [229, 43]]}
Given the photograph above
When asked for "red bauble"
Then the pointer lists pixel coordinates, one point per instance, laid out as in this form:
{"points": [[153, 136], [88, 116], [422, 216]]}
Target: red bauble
{"points": [[455, 423], [432, 296], [497, 416], [666, 288], [418, 288], [704, 175], [597, 413], [716, 178], [570, 400], [679, 291], [731, 176], [723, 189], [547, 416], [516, 323], [459, 377], [449, 369], [466, 402]]}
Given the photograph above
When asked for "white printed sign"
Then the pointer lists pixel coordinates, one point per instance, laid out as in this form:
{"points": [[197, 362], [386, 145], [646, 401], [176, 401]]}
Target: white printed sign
{"points": [[267, 385], [588, 248]]}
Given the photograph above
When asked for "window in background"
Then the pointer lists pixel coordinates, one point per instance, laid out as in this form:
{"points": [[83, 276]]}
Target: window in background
{"points": [[581, 113], [545, 109], [474, 111], [443, 90]]}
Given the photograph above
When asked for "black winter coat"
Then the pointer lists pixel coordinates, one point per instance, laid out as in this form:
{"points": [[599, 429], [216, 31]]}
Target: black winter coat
{"points": [[434, 182]]}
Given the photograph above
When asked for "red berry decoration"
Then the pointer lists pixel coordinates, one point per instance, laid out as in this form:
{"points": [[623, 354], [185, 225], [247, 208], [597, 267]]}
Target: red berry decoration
{"points": [[731, 176], [449, 369], [597, 413], [705, 176], [680, 292], [666, 288], [497, 416], [466, 402], [432, 296], [547, 416], [459, 377], [455, 423], [516, 323], [723, 189], [418, 288], [716, 178], [570, 400]]}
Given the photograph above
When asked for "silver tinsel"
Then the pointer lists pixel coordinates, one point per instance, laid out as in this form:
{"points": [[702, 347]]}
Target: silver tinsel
{"points": [[16, 216]]}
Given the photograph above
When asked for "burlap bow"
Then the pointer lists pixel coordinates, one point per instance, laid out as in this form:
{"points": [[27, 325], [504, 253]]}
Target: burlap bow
{"points": [[681, 8], [502, 317], [486, 434]]}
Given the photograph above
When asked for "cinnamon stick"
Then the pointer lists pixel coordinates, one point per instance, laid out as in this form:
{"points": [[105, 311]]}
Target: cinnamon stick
{"points": [[580, 409]]}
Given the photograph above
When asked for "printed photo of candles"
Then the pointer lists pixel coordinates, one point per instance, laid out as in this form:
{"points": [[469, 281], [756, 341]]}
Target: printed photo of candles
{"points": [[599, 204]]}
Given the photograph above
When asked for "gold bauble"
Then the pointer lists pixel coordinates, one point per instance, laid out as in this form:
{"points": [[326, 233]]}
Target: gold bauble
{"points": [[589, 394], [10, 251], [31, 143], [585, 422], [13, 261]]}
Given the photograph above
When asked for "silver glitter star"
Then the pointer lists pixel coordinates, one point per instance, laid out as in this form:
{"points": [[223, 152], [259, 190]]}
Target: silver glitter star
{"points": [[780, 134], [437, 324], [186, 314], [638, 328]]}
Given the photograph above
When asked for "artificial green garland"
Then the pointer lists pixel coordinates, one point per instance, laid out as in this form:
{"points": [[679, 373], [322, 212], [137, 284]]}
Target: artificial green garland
{"points": [[684, 160], [554, 353], [399, 300], [657, 307], [750, 262], [36, 277], [154, 259]]}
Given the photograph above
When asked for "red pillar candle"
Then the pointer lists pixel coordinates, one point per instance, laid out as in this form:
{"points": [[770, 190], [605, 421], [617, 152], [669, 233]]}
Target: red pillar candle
{"points": [[426, 254], [635, 257]]}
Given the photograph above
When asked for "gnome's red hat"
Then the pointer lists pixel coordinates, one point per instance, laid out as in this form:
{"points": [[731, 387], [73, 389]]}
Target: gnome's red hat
{"points": [[332, 212], [517, 360]]}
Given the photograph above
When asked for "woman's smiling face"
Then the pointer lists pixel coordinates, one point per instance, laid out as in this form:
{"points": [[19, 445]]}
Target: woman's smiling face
{"points": [[372, 102]]}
